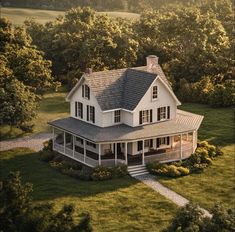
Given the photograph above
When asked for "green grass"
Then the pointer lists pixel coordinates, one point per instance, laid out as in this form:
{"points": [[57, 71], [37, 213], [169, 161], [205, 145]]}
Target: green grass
{"points": [[51, 107], [116, 205], [18, 15], [216, 183]]}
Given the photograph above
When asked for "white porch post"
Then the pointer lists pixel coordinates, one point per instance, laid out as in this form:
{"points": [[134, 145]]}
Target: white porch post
{"points": [[53, 138], [84, 150], [64, 142], [143, 152], [181, 152], [99, 154], [73, 145], [115, 144], [125, 153]]}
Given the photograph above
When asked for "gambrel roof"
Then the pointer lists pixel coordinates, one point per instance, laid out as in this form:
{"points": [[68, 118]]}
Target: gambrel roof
{"points": [[122, 88]]}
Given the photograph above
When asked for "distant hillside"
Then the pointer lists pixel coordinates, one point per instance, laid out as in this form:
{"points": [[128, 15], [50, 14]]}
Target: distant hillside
{"points": [[18, 15], [99, 5]]}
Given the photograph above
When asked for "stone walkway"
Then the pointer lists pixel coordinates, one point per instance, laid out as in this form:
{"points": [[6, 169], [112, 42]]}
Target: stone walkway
{"points": [[150, 181], [34, 142]]}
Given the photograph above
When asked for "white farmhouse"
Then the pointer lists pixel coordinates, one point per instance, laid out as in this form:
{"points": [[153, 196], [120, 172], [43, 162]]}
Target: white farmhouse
{"points": [[125, 116]]}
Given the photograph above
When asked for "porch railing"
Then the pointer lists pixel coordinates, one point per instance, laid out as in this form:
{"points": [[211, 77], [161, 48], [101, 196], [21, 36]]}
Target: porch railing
{"points": [[111, 162]]}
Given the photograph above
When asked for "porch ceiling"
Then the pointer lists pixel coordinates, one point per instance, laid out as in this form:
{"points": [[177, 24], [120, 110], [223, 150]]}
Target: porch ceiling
{"points": [[184, 122]]}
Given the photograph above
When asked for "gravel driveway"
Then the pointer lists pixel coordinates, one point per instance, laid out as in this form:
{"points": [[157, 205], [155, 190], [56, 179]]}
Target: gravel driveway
{"points": [[34, 142]]}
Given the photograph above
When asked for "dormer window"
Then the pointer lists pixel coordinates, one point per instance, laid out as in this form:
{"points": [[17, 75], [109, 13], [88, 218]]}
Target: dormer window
{"points": [[154, 92], [86, 91], [117, 116]]}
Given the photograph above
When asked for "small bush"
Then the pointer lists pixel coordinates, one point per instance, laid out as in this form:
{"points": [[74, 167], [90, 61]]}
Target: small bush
{"points": [[119, 171], [101, 173], [218, 151], [46, 156], [27, 128], [48, 145]]}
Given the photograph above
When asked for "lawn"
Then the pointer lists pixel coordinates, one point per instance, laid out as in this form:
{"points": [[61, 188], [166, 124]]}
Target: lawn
{"points": [[51, 107], [19, 15], [215, 184], [116, 205]]}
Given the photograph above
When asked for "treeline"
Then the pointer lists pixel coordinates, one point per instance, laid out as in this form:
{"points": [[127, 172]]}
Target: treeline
{"points": [[99, 5], [195, 46]]}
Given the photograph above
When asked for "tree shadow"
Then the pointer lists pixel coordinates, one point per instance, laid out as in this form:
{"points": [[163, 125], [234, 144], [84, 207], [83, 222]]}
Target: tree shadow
{"points": [[49, 184]]}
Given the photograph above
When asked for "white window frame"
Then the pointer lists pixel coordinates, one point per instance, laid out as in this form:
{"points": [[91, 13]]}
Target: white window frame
{"points": [[117, 116], [154, 94], [163, 141], [91, 113], [86, 91], [79, 110], [163, 113], [146, 143], [145, 116]]}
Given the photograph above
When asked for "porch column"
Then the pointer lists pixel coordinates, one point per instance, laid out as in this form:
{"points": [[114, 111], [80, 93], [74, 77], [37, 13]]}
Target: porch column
{"points": [[99, 154], [84, 150], [143, 152], [73, 145], [125, 153], [64, 142], [53, 138], [115, 154], [181, 152]]}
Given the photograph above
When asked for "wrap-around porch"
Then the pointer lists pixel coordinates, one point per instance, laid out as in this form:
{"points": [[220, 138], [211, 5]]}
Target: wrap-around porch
{"points": [[166, 148]]}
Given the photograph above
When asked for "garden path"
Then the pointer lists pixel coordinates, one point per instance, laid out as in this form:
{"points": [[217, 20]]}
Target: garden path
{"points": [[150, 180]]}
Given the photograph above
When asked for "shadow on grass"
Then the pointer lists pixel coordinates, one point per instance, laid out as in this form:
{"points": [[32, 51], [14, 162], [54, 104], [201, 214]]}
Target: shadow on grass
{"points": [[49, 184]]}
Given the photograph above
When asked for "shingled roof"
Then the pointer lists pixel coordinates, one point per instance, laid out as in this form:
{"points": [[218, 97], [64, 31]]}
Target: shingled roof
{"points": [[121, 88]]}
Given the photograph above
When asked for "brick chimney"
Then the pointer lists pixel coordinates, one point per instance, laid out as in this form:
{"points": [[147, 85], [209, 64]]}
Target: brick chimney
{"points": [[88, 70], [152, 62]]}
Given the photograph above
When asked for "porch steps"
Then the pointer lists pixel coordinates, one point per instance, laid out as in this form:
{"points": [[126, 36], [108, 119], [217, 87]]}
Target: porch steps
{"points": [[137, 170]]}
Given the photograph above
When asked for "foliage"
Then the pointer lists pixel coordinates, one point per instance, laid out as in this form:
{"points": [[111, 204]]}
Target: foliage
{"points": [[17, 213], [48, 145], [46, 156], [191, 218]]}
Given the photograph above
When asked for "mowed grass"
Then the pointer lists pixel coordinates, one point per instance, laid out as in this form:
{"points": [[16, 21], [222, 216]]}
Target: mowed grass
{"points": [[216, 183], [52, 106], [18, 15], [116, 205]]}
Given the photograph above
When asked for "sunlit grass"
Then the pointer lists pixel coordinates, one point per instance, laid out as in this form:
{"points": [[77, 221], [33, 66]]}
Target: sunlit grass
{"points": [[115, 205]]}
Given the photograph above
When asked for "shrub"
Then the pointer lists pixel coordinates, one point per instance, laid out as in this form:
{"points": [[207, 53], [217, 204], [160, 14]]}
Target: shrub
{"points": [[101, 173], [27, 127], [48, 145], [218, 151], [57, 165], [77, 174], [46, 156], [119, 171]]}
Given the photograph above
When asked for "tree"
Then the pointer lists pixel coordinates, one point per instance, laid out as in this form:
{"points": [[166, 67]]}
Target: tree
{"points": [[18, 213], [191, 219]]}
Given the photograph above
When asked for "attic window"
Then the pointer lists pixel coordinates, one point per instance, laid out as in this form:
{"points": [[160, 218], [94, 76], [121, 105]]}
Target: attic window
{"points": [[86, 92], [117, 116], [155, 92]]}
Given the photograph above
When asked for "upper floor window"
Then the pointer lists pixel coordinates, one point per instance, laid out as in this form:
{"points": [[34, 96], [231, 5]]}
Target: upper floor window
{"points": [[90, 113], [78, 109], [145, 116], [163, 113], [86, 91], [155, 92], [117, 116]]}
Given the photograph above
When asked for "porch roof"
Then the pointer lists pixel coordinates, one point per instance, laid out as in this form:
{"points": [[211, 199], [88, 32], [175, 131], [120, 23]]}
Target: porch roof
{"points": [[184, 122]]}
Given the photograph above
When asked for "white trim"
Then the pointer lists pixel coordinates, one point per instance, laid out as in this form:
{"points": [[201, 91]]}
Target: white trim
{"points": [[70, 94], [107, 111]]}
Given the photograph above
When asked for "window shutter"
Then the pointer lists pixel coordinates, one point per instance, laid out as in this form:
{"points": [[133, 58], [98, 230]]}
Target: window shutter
{"points": [[81, 110], [151, 143], [140, 145], [88, 93], [158, 142], [83, 90], [76, 109], [168, 112], [140, 117], [93, 114], [87, 113], [168, 140], [158, 114], [151, 115]]}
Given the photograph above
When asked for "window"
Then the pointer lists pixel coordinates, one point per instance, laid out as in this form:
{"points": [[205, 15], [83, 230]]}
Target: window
{"points": [[78, 109], [79, 140], [163, 141], [86, 92], [117, 116], [145, 116], [140, 145], [148, 143], [91, 144], [163, 113], [155, 92], [90, 114]]}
